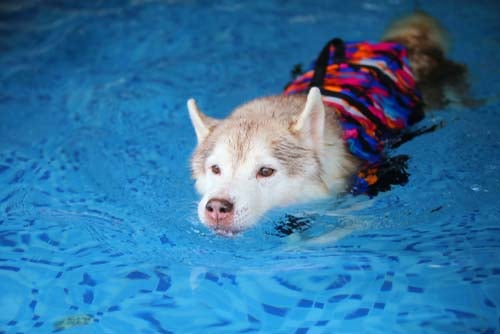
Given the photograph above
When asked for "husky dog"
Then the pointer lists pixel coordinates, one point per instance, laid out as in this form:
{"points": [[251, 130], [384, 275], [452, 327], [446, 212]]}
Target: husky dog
{"points": [[285, 149]]}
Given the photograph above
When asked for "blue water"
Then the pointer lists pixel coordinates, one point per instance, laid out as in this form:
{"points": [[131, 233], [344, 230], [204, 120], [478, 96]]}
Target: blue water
{"points": [[98, 226]]}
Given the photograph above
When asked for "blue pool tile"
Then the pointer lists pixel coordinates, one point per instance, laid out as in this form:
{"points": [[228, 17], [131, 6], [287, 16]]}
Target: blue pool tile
{"points": [[252, 319], [17, 177], [25, 239], [45, 176], [386, 286], [166, 241], [88, 297], [7, 197], [163, 284], [337, 298], [87, 280], [489, 302], [461, 314], [7, 242], [230, 277], [359, 313], [486, 331], [211, 277], [156, 324], [220, 323], [274, 310], [78, 266], [422, 261], [114, 308], [10, 268], [45, 237], [319, 305], [415, 289], [305, 303], [351, 267], [32, 305], [322, 323], [137, 275], [340, 282], [287, 284]]}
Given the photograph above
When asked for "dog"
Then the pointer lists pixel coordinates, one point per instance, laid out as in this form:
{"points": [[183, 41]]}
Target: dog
{"points": [[302, 146]]}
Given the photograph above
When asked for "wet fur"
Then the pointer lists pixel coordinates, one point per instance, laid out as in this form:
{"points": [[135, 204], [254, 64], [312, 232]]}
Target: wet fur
{"points": [[440, 79], [260, 133]]}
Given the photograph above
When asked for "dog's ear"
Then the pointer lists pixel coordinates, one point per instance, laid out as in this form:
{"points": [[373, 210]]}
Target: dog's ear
{"points": [[201, 123], [311, 122]]}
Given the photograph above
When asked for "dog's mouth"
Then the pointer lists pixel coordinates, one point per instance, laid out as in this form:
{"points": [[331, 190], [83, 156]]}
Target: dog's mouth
{"points": [[226, 232]]}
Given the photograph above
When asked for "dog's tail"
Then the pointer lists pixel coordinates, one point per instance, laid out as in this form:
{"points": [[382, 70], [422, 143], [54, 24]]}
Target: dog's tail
{"points": [[427, 43]]}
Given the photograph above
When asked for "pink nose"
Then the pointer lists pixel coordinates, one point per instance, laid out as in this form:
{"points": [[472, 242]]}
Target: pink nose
{"points": [[219, 212]]}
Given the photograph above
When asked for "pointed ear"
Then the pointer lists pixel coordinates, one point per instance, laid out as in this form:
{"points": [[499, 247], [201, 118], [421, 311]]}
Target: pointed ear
{"points": [[311, 122], [201, 123]]}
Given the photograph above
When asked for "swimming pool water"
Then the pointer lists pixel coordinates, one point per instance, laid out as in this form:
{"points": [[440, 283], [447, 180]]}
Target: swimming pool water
{"points": [[98, 226]]}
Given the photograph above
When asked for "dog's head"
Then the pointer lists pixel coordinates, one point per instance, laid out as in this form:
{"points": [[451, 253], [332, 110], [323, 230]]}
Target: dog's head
{"points": [[266, 154]]}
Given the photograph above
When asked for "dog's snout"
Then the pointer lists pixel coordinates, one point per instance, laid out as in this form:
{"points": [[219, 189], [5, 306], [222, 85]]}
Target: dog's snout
{"points": [[219, 211], [216, 205]]}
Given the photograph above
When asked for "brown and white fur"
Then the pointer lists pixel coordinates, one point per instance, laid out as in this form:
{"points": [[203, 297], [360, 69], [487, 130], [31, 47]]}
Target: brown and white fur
{"points": [[440, 79], [279, 150]]}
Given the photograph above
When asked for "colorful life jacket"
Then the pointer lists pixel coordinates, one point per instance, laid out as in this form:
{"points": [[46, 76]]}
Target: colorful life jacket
{"points": [[372, 89]]}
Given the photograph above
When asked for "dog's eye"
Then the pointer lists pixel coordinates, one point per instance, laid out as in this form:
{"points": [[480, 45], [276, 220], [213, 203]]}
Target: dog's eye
{"points": [[215, 169], [265, 172]]}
